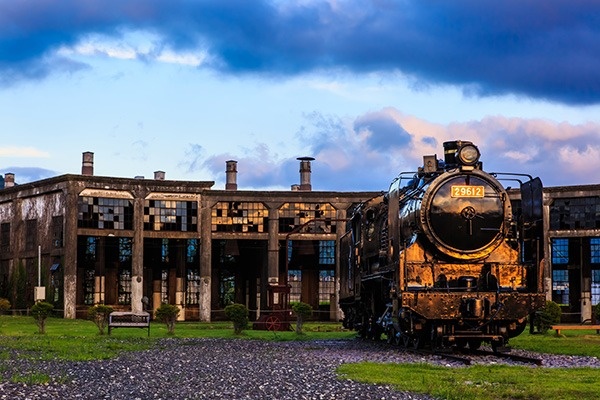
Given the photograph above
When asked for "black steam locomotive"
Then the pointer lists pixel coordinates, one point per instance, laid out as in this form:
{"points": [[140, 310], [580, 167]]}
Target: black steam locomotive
{"points": [[444, 258]]}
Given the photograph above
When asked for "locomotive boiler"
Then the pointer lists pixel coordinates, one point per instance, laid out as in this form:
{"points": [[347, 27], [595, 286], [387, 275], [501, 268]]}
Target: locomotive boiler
{"points": [[443, 258]]}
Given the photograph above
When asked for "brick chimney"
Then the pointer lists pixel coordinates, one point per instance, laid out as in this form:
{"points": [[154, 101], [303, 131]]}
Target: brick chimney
{"points": [[231, 175], [9, 180], [159, 175], [87, 164], [305, 173]]}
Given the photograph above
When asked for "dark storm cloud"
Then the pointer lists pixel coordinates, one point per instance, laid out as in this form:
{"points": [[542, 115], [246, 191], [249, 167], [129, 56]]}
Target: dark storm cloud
{"points": [[545, 49]]}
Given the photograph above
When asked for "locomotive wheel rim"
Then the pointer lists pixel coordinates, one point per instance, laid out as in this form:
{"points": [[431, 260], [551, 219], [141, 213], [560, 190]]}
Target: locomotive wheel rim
{"points": [[467, 212]]}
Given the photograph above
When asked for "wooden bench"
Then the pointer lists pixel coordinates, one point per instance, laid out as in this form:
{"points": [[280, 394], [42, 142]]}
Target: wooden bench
{"points": [[559, 328], [123, 319]]}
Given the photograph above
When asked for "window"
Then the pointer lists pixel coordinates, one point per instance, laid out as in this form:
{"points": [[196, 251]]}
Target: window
{"points": [[192, 251], [295, 215], [560, 251], [239, 216], [90, 249], [326, 286], [595, 250], [295, 282], [105, 213], [575, 213], [30, 234], [5, 237], [595, 286], [88, 286], [125, 250], [57, 231], [560, 286], [124, 286], [164, 286], [170, 215], [327, 252], [192, 294]]}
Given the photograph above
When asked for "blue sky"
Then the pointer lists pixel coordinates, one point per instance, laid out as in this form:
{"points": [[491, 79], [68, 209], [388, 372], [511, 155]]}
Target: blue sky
{"points": [[365, 87]]}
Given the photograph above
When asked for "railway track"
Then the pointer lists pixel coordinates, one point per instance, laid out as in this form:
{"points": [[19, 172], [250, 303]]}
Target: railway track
{"points": [[466, 357]]}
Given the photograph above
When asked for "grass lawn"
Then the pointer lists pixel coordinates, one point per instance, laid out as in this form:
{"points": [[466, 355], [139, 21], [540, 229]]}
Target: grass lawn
{"points": [[80, 340], [496, 381]]}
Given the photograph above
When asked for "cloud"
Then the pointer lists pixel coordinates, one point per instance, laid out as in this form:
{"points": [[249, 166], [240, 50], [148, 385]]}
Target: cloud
{"points": [[543, 49], [28, 174], [348, 156], [22, 152]]}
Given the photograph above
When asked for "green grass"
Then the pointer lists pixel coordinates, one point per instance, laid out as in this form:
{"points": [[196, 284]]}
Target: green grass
{"points": [[479, 382], [79, 340], [495, 381], [579, 343]]}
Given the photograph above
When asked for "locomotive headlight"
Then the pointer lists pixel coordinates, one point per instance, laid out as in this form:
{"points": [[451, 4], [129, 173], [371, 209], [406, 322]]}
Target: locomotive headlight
{"points": [[468, 155]]}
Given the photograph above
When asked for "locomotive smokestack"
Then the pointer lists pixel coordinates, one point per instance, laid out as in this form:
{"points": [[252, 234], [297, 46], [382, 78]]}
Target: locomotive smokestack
{"points": [[87, 163], [231, 175], [305, 173], [450, 149]]}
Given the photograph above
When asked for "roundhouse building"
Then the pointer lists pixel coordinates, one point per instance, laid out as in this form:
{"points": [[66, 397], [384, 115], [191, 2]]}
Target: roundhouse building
{"points": [[134, 243]]}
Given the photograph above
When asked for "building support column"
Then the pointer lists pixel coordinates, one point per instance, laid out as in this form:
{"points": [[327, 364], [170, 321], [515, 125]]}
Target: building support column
{"points": [[205, 262], [137, 259], [70, 261], [273, 248]]}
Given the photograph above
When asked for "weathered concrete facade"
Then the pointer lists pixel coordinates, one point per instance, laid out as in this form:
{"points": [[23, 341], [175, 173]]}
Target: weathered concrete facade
{"points": [[137, 243]]}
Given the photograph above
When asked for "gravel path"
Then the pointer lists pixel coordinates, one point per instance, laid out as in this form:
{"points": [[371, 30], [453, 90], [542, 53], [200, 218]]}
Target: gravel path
{"points": [[224, 369]]}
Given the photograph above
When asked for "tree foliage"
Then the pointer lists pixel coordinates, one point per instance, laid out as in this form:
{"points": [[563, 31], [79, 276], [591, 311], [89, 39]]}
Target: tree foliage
{"points": [[548, 316], [238, 314], [40, 311], [303, 311], [99, 314], [168, 314]]}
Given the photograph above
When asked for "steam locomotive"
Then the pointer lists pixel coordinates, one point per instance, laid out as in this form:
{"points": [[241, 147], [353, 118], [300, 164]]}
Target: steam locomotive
{"points": [[444, 258]]}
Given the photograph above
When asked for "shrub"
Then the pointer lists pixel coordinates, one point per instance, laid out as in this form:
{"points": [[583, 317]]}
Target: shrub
{"points": [[4, 306], [99, 314], [168, 314], [548, 316], [302, 311], [238, 314], [596, 313], [40, 311]]}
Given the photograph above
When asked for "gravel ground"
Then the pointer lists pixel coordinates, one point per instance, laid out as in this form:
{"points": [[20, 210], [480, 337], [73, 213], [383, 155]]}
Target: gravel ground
{"points": [[226, 369]]}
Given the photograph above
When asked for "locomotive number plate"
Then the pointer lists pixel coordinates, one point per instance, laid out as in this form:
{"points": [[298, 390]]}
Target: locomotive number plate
{"points": [[467, 191]]}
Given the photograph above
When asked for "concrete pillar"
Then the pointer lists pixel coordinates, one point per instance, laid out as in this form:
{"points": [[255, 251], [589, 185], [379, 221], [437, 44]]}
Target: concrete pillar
{"points": [[205, 262], [273, 248], [70, 265], [137, 250]]}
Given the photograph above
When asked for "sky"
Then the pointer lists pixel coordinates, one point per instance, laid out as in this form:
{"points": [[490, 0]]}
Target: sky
{"points": [[366, 87]]}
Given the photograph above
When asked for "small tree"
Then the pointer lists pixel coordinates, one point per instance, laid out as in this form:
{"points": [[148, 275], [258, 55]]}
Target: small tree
{"points": [[4, 306], [548, 316], [168, 314], [303, 311], [40, 311], [99, 314], [238, 313]]}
